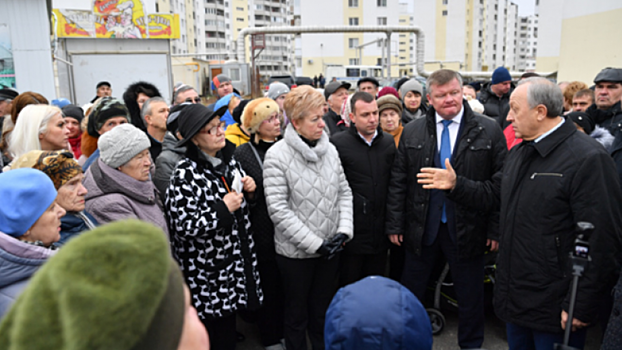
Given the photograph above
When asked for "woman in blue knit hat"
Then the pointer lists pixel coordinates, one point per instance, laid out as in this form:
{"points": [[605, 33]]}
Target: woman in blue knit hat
{"points": [[30, 222]]}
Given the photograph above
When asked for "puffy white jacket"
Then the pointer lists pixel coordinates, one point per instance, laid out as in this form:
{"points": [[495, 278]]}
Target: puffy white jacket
{"points": [[307, 194]]}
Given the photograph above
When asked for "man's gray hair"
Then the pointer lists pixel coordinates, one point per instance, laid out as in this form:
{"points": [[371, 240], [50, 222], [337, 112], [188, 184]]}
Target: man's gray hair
{"points": [[543, 92], [442, 77], [179, 90], [146, 110]]}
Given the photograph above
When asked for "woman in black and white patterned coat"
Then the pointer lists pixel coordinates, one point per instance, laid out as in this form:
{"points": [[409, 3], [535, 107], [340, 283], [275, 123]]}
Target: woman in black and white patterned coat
{"points": [[209, 225]]}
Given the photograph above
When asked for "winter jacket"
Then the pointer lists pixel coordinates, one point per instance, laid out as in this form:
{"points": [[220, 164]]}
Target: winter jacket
{"points": [[214, 247], [156, 147], [607, 118], [73, 224], [263, 228], [478, 154], [18, 262], [495, 107], [546, 188], [92, 159], [307, 194], [166, 162], [334, 122], [367, 170], [114, 195], [235, 135], [408, 116]]}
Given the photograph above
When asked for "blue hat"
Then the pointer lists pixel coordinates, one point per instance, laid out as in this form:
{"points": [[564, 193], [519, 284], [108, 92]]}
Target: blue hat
{"points": [[359, 319], [26, 194], [500, 75], [60, 102]]}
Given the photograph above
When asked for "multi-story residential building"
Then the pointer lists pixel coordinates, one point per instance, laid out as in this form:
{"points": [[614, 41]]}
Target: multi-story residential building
{"points": [[527, 43], [470, 35], [314, 52]]}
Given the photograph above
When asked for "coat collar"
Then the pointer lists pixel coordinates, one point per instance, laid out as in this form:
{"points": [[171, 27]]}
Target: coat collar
{"points": [[310, 154], [549, 143]]}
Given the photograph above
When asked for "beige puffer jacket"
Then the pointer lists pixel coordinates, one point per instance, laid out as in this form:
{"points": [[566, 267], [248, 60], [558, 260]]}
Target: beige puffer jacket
{"points": [[307, 194]]}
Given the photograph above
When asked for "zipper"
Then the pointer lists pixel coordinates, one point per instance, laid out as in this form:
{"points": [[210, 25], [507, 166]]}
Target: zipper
{"points": [[544, 174]]}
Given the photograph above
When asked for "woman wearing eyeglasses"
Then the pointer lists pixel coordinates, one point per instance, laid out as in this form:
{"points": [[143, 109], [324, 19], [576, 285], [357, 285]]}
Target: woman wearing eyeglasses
{"points": [[208, 212], [261, 119]]}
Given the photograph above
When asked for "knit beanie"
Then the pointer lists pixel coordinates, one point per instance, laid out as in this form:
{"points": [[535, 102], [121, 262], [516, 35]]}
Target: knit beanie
{"points": [[59, 166], [218, 80], [108, 107], [583, 120], [277, 89], [389, 102], [500, 75], [358, 318], [115, 287], [411, 85], [121, 144], [26, 194], [388, 90], [73, 111], [258, 111]]}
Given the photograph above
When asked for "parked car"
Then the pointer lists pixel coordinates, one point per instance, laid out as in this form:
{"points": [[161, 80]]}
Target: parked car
{"points": [[286, 79], [304, 81]]}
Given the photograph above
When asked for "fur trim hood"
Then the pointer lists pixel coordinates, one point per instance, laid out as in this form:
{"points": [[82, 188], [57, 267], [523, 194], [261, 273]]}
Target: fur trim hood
{"points": [[603, 136]]}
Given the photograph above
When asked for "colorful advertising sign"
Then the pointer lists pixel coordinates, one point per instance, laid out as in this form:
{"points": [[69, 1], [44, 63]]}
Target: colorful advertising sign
{"points": [[116, 19]]}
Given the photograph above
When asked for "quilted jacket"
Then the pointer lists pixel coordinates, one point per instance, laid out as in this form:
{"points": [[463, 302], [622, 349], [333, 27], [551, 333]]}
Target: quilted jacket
{"points": [[307, 194]]}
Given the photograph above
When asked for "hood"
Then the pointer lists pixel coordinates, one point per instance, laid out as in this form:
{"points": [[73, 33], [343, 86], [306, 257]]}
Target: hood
{"points": [[170, 144], [131, 94], [310, 154], [19, 260], [377, 313], [235, 130], [103, 180], [603, 136]]}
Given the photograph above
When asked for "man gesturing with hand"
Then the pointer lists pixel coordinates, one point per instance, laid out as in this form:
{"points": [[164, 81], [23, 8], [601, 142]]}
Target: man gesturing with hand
{"points": [[450, 145]]}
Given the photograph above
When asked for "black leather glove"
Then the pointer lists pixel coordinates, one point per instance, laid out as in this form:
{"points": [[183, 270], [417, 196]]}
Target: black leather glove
{"points": [[326, 248], [339, 239]]}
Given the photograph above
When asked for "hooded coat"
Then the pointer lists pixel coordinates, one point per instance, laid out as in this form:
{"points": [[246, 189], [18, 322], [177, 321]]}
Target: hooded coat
{"points": [[131, 94], [114, 196], [18, 262], [166, 162]]}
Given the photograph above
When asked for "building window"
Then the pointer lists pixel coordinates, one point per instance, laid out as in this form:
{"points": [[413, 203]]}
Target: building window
{"points": [[353, 43], [353, 61], [353, 21], [445, 2], [240, 8], [353, 3], [381, 3], [444, 12], [234, 74], [382, 21], [240, 19]]}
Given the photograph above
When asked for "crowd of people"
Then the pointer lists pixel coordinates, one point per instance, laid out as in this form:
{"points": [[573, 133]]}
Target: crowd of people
{"points": [[154, 222]]}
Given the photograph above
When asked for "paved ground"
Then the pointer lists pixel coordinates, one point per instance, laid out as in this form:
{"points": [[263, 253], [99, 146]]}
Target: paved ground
{"points": [[495, 335]]}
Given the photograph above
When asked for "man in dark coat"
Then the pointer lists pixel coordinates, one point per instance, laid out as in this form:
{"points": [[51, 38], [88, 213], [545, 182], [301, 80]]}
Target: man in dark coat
{"points": [[367, 155], [335, 94], [606, 111], [554, 179], [430, 223], [494, 96]]}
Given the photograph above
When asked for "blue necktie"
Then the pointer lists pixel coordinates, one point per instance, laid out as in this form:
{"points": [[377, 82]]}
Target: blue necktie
{"points": [[445, 152]]}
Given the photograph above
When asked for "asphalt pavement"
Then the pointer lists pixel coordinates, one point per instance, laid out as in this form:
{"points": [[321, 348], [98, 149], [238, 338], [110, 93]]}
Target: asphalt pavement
{"points": [[495, 335]]}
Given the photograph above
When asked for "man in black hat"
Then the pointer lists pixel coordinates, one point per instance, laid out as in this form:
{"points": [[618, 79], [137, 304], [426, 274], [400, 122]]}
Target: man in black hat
{"points": [[369, 85], [606, 111], [102, 89], [335, 93]]}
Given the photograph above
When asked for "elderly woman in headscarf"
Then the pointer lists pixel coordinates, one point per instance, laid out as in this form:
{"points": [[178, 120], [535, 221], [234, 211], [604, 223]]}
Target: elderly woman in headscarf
{"points": [[30, 221], [66, 174], [118, 183], [311, 206], [208, 211]]}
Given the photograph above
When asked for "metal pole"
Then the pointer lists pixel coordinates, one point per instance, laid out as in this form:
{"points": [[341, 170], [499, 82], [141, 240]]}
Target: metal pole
{"points": [[389, 55]]}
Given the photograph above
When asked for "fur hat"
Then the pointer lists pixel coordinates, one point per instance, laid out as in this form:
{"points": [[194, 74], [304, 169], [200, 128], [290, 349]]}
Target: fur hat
{"points": [[115, 287], [257, 111], [60, 166], [26, 194], [108, 107], [121, 144], [389, 102]]}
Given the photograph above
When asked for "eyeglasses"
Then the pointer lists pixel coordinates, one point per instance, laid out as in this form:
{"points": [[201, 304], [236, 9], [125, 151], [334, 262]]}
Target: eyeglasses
{"points": [[213, 130], [272, 119], [195, 100]]}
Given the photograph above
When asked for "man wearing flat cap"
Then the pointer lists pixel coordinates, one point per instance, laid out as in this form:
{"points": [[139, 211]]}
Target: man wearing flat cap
{"points": [[369, 85], [336, 92], [102, 89], [606, 110]]}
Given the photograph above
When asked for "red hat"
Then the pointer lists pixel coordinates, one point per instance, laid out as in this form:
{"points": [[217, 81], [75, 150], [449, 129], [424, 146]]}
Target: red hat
{"points": [[388, 90]]}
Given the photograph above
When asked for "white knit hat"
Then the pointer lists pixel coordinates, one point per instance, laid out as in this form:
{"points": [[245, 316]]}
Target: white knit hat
{"points": [[119, 145]]}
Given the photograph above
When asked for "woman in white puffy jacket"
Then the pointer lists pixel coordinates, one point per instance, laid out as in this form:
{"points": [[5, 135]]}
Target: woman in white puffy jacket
{"points": [[310, 204]]}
